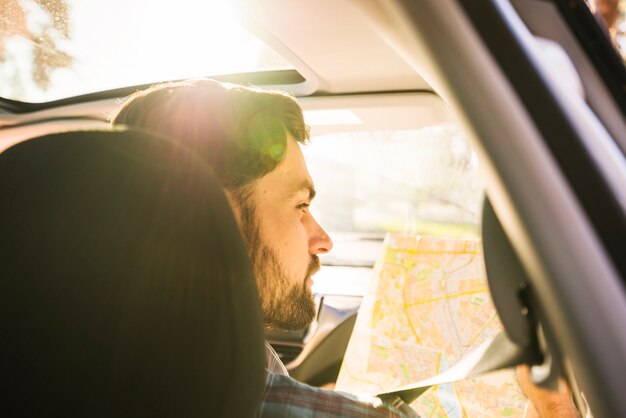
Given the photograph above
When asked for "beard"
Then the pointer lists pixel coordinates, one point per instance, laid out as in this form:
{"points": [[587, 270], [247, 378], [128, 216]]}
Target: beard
{"points": [[286, 305]]}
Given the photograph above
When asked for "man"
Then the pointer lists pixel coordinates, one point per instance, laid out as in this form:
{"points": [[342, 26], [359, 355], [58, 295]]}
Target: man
{"points": [[251, 139]]}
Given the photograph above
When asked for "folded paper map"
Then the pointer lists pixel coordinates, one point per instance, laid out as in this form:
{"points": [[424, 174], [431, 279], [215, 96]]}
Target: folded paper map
{"points": [[427, 307]]}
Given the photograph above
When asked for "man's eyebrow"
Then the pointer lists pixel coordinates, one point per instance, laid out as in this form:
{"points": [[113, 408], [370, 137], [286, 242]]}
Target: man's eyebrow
{"points": [[306, 186]]}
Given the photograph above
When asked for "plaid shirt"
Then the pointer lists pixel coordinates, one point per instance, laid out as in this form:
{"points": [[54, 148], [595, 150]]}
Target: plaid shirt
{"points": [[286, 397]]}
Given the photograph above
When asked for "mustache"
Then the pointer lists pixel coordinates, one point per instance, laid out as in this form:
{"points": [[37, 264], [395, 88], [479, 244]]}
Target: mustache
{"points": [[314, 266]]}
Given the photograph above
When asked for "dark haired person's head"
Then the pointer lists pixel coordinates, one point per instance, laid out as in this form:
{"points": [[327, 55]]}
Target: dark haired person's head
{"points": [[125, 285], [251, 138]]}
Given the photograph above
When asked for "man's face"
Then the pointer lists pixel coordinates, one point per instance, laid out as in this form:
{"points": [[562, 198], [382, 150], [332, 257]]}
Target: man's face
{"points": [[284, 241]]}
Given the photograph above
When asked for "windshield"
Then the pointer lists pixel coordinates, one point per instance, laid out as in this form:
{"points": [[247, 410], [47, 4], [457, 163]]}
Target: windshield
{"points": [[423, 182], [52, 49]]}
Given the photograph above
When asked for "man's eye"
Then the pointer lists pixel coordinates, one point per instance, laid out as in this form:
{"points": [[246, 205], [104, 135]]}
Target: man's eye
{"points": [[303, 206]]}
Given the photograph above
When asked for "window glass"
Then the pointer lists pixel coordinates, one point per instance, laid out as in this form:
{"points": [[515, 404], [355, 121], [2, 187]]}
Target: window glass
{"points": [[52, 49], [618, 31], [612, 15], [421, 182]]}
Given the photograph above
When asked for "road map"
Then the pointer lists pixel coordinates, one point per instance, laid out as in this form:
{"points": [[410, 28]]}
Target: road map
{"points": [[428, 304]]}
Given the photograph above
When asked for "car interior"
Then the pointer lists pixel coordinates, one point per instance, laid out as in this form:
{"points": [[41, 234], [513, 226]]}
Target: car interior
{"points": [[497, 122]]}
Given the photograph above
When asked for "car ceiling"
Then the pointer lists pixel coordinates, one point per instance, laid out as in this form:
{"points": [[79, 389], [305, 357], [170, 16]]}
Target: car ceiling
{"points": [[338, 52]]}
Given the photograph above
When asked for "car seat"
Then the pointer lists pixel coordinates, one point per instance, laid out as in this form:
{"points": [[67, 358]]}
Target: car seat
{"points": [[124, 284]]}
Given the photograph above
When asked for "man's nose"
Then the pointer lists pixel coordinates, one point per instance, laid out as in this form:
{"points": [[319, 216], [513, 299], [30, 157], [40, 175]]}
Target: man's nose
{"points": [[319, 241]]}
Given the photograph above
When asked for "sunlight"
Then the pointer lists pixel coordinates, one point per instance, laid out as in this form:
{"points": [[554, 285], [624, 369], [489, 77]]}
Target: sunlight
{"points": [[195, 34], [116, 43]]}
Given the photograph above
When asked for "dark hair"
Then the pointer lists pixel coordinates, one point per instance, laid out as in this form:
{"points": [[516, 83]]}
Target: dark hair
{"points": [[239, 130], [125, 289]]}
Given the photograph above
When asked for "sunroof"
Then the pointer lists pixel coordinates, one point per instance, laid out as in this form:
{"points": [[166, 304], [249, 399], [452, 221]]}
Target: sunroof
{"points": [[53, 49]]}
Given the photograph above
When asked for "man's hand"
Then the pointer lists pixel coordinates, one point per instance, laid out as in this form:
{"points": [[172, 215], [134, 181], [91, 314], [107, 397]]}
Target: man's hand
{"points": [[546, 403]]}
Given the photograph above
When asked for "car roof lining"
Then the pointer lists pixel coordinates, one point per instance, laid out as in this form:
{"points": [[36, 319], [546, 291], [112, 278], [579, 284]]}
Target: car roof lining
{"points": [[305, 36]]}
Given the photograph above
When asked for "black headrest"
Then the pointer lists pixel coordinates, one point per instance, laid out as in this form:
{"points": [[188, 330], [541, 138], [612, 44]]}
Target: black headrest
{"points": [[510, 287], [125, 288], [506, 278]]}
